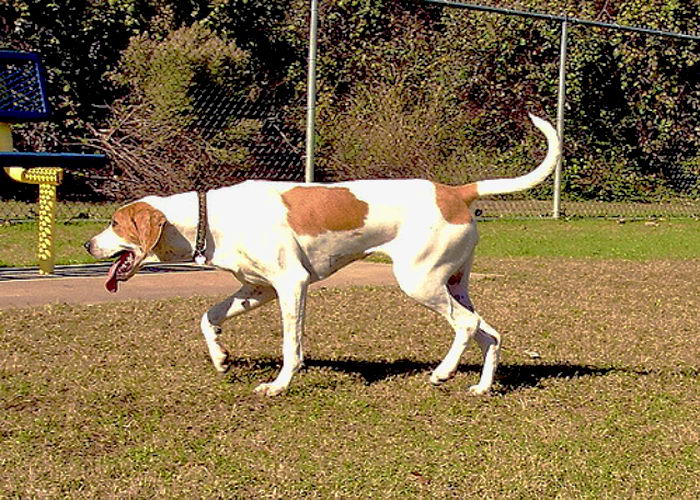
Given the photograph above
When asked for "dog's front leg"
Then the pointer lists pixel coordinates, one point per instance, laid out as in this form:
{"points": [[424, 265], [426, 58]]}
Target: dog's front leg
{"points": [[247, 298], [292, 299]]}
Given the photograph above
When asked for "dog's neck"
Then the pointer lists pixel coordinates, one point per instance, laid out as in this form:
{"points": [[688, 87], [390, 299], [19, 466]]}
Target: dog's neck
{"points": [[178, 241]]}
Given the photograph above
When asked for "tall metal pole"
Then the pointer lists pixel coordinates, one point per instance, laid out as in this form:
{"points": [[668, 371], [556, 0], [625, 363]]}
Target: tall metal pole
{"points": [[311, 95], [561, 101]]}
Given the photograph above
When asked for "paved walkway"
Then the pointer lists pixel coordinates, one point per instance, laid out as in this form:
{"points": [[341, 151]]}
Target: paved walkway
{"points": [[85, 284]]}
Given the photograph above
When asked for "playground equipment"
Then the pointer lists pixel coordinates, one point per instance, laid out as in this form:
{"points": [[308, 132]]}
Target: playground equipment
{"points": [[23, 97]]}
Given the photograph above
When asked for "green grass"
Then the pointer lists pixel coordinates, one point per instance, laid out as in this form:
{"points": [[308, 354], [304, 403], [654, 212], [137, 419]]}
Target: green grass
{"points": [[120, 400], [591, 238], [19, 243], [581, 238]]}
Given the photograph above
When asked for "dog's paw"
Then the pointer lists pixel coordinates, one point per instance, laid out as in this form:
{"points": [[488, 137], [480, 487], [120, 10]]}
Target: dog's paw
{"points": [[222, 367], [440, 378], [221, 362], [269, 389], [477, 390]]}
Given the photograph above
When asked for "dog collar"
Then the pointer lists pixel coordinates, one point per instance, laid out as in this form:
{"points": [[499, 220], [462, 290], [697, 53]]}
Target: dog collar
{"points": [[201, 241]]}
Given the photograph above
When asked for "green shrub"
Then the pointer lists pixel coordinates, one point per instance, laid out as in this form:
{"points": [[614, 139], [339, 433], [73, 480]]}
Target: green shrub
{"points": [[444, 93], [182, 125]]}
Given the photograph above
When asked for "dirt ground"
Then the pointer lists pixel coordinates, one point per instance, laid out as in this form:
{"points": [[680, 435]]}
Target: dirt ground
{"points": [[596, 395], [85, 284]]}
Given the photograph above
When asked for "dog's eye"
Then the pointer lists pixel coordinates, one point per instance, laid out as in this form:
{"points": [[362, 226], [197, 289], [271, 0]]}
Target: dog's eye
{"points": [[114, 223]]}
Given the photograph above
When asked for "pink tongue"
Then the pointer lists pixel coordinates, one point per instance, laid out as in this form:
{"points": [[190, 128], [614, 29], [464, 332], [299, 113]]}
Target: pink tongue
{"points": [[112, 285]]}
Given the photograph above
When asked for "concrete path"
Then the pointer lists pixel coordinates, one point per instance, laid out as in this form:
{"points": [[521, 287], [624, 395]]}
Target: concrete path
{"points": [[85, 284]]}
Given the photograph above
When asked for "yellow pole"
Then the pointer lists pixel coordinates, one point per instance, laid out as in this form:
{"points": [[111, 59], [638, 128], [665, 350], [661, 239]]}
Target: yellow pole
{"points": [[47, 216], [47, 178]]}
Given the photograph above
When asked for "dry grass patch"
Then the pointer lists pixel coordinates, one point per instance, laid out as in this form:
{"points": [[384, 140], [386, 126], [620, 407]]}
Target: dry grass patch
{"points": [[120, 399]]}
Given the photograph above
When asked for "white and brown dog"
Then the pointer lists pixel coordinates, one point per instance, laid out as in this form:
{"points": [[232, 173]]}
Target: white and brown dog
{"points": [[278, 237]]}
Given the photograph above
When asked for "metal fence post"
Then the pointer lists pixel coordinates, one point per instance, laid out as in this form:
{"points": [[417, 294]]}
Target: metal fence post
{"points": [[561, 101], [311, 95]]}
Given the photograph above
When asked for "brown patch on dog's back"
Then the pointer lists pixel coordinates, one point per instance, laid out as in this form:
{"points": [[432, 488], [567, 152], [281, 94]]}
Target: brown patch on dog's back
{"points": [[314, 210], [139, 223], [454, 202]]}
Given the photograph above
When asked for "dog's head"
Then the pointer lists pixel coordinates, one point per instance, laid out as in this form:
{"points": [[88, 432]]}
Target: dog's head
{"points": [[131, 236]]}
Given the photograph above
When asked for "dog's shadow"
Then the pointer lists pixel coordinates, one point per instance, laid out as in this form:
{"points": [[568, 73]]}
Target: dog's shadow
{"points": [[509, 377]]}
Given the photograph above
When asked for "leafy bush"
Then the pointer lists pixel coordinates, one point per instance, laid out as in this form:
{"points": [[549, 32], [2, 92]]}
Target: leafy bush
{"points": [[164, 137], [405, 89], [450, 85]]}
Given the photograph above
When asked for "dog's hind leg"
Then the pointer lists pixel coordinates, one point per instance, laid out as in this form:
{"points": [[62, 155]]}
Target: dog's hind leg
{"points": [[490, 342], [448, 367], [486, 336], [430, 289], [247, 298]]}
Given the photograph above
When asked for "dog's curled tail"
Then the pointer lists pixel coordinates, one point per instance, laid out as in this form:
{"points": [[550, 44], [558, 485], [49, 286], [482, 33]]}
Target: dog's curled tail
{"points": [[527, 181]]}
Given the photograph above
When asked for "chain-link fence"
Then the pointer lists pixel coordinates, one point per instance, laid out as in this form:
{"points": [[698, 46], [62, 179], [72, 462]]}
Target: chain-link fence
{"points": [[195, 113], [222, 141], [448, 99], [432, 102]]}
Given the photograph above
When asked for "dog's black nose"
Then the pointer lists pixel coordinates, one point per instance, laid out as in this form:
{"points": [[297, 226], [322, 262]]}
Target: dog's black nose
{"points": [[87, 246]]}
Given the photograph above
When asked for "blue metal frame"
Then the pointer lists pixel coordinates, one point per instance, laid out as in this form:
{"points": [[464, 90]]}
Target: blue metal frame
{"points": [[43, 111], [64, 160]]}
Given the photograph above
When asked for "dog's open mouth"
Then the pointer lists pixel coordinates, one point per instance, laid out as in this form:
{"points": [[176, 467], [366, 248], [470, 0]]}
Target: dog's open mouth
{"points": [[120, 270]]}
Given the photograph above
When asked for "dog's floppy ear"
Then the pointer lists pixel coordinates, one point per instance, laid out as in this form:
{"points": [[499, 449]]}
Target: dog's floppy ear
{"points": [[149, 226], [141, 223]]}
